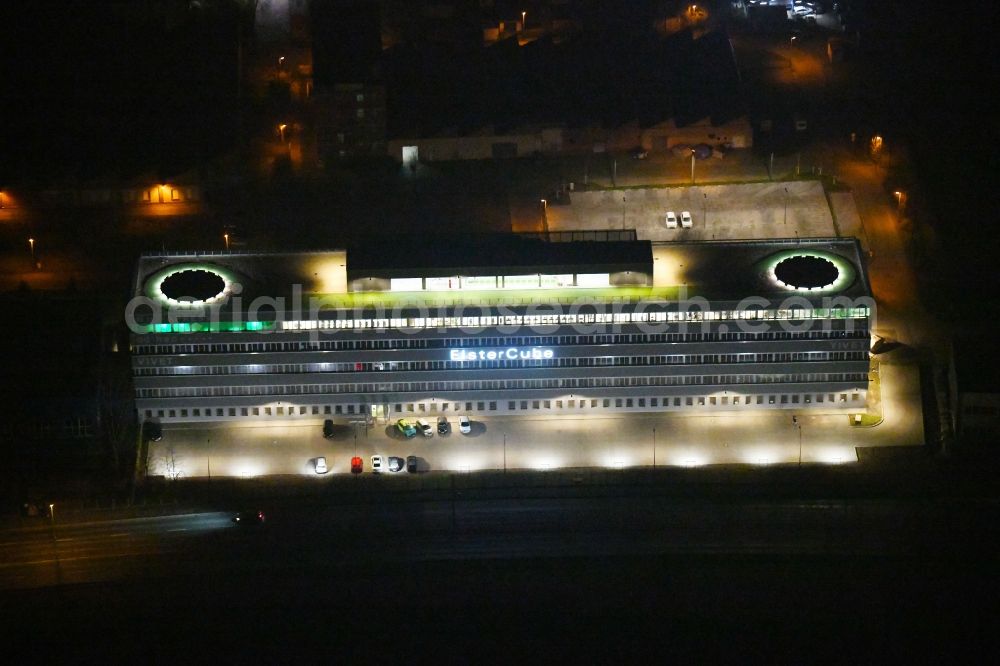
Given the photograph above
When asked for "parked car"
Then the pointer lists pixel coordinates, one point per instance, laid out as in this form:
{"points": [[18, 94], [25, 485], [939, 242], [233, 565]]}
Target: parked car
{"points": [[639, 154], [425, 428], [357, 465], [464, 425], [686, 219], [321, 467], [154, 431], [249, 518], [396, 464], [377, 464], [328, 428], [671, 219], [443, 426], [411, 464], [406, 428]]}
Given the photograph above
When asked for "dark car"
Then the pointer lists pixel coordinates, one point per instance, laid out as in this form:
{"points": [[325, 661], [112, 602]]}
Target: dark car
{"points": [[328, 428], [249, 518], [153, 431], [443, 426], [411, 464]]}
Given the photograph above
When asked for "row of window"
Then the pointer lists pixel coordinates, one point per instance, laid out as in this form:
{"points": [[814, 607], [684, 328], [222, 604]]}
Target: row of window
{"points": [[511, 405], [506, 341], [583, 318], [572, 362], [497, 384]]}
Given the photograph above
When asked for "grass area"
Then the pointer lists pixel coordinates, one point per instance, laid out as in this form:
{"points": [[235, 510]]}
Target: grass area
{"points": [[705, 183], [867, 420], [874, 416]]}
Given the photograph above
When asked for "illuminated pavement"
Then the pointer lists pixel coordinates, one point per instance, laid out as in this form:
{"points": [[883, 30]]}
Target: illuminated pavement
{"points": [[782, 209], [551, 442]]}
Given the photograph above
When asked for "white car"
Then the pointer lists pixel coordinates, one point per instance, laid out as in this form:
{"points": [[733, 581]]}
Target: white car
{"points": [[464, 425], [320, 466], [686, 219], [377, 464], [425, 428], [671, 220]]}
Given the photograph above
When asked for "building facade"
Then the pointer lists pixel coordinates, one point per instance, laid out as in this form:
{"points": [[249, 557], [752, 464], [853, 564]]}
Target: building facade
{"points": [[350, 121], [517, 326]]}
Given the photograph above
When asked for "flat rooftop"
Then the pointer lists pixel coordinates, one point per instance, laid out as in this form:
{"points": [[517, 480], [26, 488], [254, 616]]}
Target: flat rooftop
{"points": [[722, 271], [498, 254]]}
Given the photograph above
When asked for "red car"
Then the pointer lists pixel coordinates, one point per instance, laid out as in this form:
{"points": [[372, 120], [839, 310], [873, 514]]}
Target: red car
{"points": [[356, 465]]}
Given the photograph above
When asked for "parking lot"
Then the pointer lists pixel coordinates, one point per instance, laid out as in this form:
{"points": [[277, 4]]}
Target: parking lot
{"points": [[783, 209], [550, 442]]}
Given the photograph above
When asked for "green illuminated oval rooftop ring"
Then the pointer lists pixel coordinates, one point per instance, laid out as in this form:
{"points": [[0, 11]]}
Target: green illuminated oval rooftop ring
{"points": [[190, 285], [809, 271]]}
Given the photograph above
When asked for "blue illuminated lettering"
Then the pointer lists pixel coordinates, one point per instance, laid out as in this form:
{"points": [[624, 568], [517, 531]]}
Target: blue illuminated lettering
{"points": [[511, 353]]}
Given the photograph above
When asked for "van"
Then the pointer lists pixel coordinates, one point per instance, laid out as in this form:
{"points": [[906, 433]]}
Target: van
{"points": [[425, 428]]}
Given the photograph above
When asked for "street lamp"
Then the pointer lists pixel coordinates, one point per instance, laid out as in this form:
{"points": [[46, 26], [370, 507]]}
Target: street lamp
{"points": [[900, 202], [784, 215], [798, 426], [654, 447], [876, 145], [505, 453], [523, 15], [800, 445], [692, 166], [704, 209], [281, 131], [31, 244], [226, 238], [52, 513]]}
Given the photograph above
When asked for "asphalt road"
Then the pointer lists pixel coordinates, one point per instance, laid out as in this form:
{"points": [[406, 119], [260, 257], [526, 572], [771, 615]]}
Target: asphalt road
{"points": [[306, 535], [480, 580]]}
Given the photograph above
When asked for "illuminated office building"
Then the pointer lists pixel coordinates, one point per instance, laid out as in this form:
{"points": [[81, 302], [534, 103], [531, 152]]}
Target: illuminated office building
{"points": [[501, 325]]}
